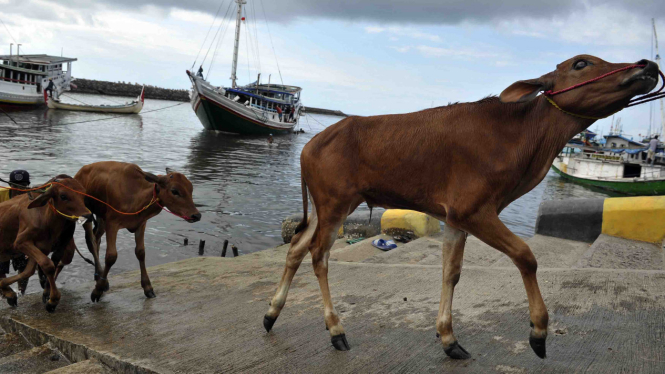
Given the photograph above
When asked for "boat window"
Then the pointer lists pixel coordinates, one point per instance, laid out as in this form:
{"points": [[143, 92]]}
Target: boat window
{"points": [[632, 170]]}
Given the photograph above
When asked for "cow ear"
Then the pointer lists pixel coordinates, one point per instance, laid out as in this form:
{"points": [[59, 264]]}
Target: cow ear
{"points": [[169, 171], [152, 178], [42, 199], [527, 90]]}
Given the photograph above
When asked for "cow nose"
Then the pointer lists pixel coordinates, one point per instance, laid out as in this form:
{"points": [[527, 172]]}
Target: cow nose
{"points": [[643, 62], [196, 217]]}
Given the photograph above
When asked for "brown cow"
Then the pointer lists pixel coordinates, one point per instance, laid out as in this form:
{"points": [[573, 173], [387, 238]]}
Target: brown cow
{"points": [[34, 228], [129, 189], [463, 164]]}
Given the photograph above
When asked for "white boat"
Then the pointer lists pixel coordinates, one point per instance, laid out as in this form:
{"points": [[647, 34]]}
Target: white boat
{"points": [[252, 109], [133, 107], [23, 78]]}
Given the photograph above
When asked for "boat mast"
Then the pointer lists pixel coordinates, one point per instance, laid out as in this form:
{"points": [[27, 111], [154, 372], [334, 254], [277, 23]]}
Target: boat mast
{"points": [[662, 110], [237, 42]]}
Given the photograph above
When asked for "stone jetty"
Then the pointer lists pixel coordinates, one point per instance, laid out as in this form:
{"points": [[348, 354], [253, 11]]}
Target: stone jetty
{"points": [[89, 86], [606, 302]]}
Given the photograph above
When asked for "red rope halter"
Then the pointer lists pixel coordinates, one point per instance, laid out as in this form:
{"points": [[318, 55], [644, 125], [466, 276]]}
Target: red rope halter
{"points": [[635, 101]]}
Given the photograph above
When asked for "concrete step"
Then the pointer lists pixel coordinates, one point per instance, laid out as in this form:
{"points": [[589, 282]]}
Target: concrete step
{"points": [[84, 367], [551, 252], [37, 360], [11, 344], [427, 251], [617, 253], [359, 252]]}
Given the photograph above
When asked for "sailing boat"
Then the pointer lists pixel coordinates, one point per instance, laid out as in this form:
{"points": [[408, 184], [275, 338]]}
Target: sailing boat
{"points": [[252, 109]]}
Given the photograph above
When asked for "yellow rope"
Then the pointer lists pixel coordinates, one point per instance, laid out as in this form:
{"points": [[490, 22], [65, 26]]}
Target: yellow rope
{"points": [[63, 214], [569, 113]]}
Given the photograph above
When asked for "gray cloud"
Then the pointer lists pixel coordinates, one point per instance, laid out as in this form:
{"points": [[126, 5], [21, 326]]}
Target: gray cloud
{"points": [[388, 11]]}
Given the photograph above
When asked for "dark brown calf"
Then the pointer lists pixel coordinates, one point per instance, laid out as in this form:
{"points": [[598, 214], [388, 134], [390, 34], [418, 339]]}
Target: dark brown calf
{"points": [[34, 228], [129, 189], [462, 164]]}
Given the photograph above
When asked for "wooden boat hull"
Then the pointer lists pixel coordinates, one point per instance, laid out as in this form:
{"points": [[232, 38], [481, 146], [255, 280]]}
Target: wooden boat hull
{"points": [[133, 108], [629, 187], [218, 113]]}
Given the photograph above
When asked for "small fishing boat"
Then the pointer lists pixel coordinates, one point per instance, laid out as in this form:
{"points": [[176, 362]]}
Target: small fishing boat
{"points": [[133, 107], [23, 78], [622, 170], [252, 109]]}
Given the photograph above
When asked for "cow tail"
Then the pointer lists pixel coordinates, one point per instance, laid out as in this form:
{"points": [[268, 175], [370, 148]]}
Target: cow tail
{"points": [[303, 224]]}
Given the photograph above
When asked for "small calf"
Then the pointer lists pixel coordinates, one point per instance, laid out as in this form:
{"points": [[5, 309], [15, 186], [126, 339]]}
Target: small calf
{"points": [[38, 227]]}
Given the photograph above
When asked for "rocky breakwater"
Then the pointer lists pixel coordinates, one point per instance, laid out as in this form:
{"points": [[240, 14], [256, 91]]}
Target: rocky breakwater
{"points": [[89, 86]]}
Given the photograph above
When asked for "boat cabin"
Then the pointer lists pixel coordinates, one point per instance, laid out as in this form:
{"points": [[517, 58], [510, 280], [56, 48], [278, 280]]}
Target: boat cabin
{"points": [[267, 98], [23, 77]]}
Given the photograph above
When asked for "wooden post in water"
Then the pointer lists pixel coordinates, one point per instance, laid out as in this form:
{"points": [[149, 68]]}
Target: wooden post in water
{"points": [[235, 250], [186, 241], [226, 244], [202, 244]]}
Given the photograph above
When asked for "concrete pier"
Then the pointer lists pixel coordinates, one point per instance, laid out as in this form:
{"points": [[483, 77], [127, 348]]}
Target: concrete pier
{"points": [[606, 302]]}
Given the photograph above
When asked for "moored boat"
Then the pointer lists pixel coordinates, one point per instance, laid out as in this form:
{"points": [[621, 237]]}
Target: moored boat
{"points": [[133, 107], [24, 78], [619, 170], [253, 109]]}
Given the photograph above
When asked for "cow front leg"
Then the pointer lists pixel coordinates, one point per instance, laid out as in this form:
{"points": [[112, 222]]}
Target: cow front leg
{"points": [[92, 241], [102, 284], [492, 231], [452, 254], [7, 292], [139, 237]]}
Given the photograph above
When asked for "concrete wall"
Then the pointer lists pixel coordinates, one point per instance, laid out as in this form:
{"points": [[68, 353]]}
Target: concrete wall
{"points": [[635, 218]]}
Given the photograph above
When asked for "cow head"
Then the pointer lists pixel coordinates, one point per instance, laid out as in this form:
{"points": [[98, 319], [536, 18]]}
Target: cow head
{"points": [[598, 99], [64, 199], [174, 191]]}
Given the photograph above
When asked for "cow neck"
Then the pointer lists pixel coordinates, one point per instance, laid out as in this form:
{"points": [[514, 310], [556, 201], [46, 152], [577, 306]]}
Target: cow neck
{"points": [[153, 198], [546, 133]]}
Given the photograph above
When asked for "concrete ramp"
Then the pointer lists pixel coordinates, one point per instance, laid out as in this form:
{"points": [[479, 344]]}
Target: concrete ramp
{"points": [[207, 317]]}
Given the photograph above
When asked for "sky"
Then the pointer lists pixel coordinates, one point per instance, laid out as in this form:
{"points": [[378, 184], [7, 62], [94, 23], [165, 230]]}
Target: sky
{"points": [[363, 57]]}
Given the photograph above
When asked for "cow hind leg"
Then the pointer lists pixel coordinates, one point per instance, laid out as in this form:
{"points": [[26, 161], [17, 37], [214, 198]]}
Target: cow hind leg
{"points": [[111, 256], [493, 232], [330, 219], [452, 254], [299, 245]]}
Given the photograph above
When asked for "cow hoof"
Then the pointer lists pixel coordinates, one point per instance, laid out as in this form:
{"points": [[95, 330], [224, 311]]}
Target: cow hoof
{"points": [[95, 296], [105, 286], [340, 343], [45, 298], [12, 301], [150, 294], [538, 346], [268, 322], [457, 352], [50, 307]]}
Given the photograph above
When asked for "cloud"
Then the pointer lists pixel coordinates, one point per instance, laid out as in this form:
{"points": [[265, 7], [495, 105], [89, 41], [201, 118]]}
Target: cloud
{"points": [[452, 52], [374, 29], [395, 11]]}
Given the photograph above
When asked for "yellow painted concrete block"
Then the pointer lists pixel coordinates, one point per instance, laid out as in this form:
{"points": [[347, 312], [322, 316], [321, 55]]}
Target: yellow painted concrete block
{"points": [[637, 218], [395, 220]]}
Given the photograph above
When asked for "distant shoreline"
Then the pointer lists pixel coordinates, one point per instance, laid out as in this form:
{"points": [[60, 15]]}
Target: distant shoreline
{"points": [[94, 87]]}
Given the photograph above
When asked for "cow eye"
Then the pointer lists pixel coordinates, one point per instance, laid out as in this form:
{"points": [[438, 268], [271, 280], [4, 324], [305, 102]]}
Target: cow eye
{"points": [[581, 64], [63, 198], [175, 192]]}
